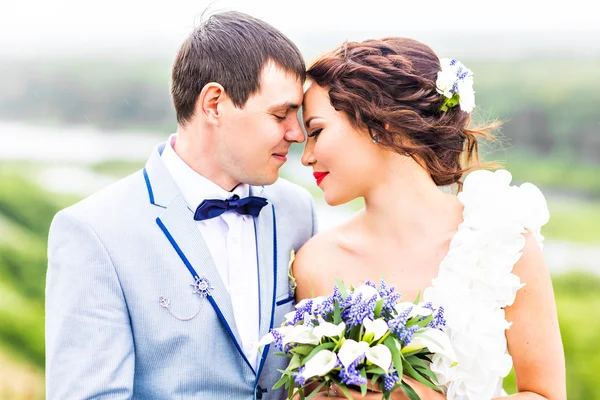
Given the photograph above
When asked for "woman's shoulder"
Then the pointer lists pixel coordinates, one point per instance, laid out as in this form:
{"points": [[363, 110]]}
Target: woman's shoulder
{"points": [[322, 255], [317, 251]]}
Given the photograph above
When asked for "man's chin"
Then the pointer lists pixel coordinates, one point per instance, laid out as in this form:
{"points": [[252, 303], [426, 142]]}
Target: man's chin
{"points": [[265, 180]]}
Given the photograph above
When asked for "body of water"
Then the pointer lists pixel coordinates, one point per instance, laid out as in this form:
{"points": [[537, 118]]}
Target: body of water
{"points": [[66, 153]]}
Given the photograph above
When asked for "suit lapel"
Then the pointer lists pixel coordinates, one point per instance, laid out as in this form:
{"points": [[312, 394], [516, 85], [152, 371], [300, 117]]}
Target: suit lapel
{"points": [[178, 225], [266, 248]]}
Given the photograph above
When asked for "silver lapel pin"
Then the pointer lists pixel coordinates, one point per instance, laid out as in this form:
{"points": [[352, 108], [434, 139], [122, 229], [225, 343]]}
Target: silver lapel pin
{"points": [[202, 287], [166, 303]]}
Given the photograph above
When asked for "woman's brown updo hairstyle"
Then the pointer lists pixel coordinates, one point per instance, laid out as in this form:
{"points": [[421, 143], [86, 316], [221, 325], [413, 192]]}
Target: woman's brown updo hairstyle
{"points": [[388, 87]]}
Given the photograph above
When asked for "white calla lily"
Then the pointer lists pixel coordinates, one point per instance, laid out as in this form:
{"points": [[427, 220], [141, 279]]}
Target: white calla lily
{"points": [[351, 350], [434, 340], [300, 334], [302, 303], [316, 301], [328, 329], [378, 328], [320, 364], [265, 340], [269, 338], [381, 356], [289, 317], [415, 310], [367, 292]]}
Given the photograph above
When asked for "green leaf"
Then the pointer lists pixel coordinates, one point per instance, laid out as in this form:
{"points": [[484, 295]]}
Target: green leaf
{"points": [[410, 371], [415, 361], [355, 333], [328, 345], [342, 287], [314, 392], [344, 390], [375, 370], [429, 373], [410, 392], [337, 313], [390, 342], [363, 387], [378, 308], [279, 353], [284, 378], [294, 363], [303, 349], [374, 379], [419, 294]]}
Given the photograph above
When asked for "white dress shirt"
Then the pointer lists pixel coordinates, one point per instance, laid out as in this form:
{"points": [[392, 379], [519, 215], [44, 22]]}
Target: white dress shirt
{"points": [[231, 240]]}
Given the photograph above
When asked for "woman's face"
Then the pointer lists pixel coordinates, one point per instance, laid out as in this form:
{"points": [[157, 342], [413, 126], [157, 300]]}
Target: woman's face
{"points": [[345, 161]]}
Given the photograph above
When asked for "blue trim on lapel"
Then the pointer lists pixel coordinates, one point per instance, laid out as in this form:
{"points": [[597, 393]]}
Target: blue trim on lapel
{"points": [[150, 193], [285, 301], [266, 349], [209, 297]]}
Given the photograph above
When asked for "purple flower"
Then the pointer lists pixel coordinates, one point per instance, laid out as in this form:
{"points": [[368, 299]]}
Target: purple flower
{"points": [[326, 307], [389, 380], [278, 339], [406, 335], [438, 320], [358, 310], [301, 308], [299, 378], [351, 375], [390, 298], [398, 323]]}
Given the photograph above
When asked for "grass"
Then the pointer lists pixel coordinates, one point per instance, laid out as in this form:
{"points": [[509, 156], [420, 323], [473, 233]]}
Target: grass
{"points": [[578, 306], [555, 172], [575, 221], [117, 168], [26, 211]]}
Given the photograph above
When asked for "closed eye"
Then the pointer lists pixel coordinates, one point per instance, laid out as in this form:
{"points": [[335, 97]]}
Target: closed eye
{"points": [[279, 117], [315, 133]]}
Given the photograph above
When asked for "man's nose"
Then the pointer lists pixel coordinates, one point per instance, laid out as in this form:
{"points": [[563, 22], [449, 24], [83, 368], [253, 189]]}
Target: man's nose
{"points": [[294, 132]]}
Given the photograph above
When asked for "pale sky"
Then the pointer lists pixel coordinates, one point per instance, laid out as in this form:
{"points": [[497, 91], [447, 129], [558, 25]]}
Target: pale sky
{"points": [[48, 26]]}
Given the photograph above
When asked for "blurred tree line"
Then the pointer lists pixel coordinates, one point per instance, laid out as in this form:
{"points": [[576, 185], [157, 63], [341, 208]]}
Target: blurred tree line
{"points": [[549, 106], [551, 118]]}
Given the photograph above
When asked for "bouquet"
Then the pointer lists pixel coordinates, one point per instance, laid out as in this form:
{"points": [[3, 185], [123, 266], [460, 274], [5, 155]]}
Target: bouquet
{"points": [[359, 338]]}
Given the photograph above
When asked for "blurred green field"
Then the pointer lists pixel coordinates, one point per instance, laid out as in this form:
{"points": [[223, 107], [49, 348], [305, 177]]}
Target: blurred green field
{"points": [[25, 214], [549, 108]]}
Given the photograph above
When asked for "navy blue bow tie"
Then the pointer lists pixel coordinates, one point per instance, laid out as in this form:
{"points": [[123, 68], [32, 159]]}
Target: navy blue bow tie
{"points": [[211, 208]]}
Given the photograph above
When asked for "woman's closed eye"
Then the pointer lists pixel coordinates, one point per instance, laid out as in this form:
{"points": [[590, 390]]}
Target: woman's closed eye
{"points": [[314, 133], [279, 117]]}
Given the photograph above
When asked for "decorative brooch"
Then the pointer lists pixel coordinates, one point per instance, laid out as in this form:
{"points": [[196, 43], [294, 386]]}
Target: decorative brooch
{"points": [[201, 286]]}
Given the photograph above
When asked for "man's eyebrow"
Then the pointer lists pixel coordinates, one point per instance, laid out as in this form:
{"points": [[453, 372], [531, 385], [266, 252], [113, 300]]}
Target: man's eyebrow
{"points": [[285, 105]]}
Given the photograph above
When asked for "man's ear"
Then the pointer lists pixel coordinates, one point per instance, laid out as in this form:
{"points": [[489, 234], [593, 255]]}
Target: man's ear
{"points": [[209, 99]]}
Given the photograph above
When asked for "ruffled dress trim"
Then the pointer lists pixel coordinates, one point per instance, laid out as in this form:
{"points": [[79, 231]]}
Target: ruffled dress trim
{"points": [[475, 281]]}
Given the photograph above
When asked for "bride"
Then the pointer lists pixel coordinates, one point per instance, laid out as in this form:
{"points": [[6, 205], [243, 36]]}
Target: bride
{"points": [[387, 121]]}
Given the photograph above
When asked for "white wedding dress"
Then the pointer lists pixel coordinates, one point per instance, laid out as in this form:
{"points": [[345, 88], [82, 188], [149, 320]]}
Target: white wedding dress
{"points": [[475, 281]]}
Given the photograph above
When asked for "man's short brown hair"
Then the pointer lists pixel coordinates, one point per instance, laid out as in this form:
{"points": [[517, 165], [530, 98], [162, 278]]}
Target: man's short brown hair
{"points": [[230, 48]]}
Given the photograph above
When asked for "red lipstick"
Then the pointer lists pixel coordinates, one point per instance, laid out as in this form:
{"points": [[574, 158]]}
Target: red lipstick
{"points": [[319, 176]]}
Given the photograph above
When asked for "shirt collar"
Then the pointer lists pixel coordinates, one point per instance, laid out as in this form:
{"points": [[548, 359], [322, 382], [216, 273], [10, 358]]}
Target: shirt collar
{"points": [[194, 187]]}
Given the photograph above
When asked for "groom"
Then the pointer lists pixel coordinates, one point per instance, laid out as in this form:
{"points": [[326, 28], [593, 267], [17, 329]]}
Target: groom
{"points": [[161, 285]]}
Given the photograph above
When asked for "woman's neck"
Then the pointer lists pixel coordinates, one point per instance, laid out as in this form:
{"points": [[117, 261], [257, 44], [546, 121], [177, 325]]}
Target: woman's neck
{"points": [[405, 202]]}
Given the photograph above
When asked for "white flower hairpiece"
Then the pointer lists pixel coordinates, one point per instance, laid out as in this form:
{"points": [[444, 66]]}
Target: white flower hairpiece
{"points": [[455, 82]]}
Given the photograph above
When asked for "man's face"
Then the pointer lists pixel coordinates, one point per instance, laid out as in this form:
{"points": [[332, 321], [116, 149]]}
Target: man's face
{"points": [[253, 141]]}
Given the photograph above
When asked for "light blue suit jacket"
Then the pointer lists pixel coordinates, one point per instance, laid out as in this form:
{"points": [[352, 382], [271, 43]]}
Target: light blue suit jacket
{"points": [[112, 256]]}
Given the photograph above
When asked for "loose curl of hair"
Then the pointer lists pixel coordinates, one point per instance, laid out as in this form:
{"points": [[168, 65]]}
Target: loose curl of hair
{"points": [[387, 87]]}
